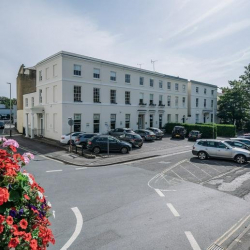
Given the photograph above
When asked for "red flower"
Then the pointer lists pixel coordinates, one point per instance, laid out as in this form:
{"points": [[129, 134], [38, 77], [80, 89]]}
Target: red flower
{"points": [[1, 228], [4, 195], [27, 237], [13, 242], [33, 244], [23, 224], [9, 220], [26, 197], [1, 219], [13, 148]]}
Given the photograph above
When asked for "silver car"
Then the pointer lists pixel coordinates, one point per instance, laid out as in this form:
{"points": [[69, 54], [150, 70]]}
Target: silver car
{"points": [[219, 149]]}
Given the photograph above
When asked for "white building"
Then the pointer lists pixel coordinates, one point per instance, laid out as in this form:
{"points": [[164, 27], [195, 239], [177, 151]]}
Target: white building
{"points": [[202, 102], [100, 95]]}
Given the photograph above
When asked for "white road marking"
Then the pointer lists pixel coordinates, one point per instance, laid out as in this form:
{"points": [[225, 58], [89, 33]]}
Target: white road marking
{"points": [[51, 171], [79, 222], [164, 162], [80, 168], [200, 169], [158, 191], [173, 210], [177, 175], [192, 241], [50, 159], [190, 173], [54, 214]]}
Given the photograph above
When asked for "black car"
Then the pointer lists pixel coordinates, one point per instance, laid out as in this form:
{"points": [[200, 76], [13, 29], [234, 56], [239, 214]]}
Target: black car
{"points": [[146, 135], [101, 143], [1, 125], [82, 139], [179, 132], [194, 135], [158, 133], [237, 144], [134, 139]]}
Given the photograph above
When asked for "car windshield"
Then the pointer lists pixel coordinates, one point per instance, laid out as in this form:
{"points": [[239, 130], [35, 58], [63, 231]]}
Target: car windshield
{"points": [[129, 131]]}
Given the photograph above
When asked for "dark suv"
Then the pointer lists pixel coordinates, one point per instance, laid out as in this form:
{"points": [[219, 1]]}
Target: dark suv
{"points": [[82, 139], [179, 132], [158, 133], [102, 142]]}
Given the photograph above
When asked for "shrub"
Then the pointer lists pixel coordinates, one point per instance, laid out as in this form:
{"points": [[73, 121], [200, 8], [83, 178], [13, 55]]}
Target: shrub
{"points": [[24, 210], [226, 130]]}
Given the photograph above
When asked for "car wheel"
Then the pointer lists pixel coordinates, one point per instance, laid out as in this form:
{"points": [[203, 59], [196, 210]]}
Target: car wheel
{"points": [[241, 159], [124, 150], [96, 150], [140, 146], [202, 155]]}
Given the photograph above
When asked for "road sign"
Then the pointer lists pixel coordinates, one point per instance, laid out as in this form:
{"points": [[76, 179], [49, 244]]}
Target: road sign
{"points": [[71, 122]]}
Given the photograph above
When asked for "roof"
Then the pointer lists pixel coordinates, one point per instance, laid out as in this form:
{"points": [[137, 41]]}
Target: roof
{"points": [[86, 58], [203, 83]]}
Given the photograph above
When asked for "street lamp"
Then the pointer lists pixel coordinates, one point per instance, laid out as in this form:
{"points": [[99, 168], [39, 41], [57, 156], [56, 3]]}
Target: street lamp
{"points": [[10, 106]]}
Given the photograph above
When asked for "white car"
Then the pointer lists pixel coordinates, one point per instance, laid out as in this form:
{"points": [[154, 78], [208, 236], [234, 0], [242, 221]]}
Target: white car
{"points": [[65, 139]]}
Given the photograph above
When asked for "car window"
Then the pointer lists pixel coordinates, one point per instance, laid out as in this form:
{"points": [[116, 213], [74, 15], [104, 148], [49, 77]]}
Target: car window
{"points": [[238, 144], [212, 144], [129, 136], [112, 140], [245, 141], [102, 139], [222, 145], [202, 143], [137, 136], [89, 136]]}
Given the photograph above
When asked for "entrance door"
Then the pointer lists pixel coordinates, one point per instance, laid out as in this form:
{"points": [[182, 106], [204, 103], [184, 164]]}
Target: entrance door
{"points": [[140, 121], [204, 118], [41, 126]]}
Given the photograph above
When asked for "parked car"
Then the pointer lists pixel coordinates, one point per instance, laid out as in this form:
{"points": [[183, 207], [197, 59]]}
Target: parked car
{"points": [[159, 134], [246, 141], [194, 135], [219, 149], [1, 125], [246, 136], [146, 135], [65, 139], [82, 139], [100, 143], [134, 139], [237, 144], [120, 131], [179, 132]]}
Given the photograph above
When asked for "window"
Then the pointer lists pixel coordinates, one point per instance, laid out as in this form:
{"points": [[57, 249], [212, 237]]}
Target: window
{"points": [[55, 93], [212, 120], [77, 70], [127, 120], [160, 84], [151, 99], [184, 88], [26, 102], [47, 95], [197, 102], [112, 76], [212, 92], [151, 83], [176, 117], [197, 89], [127, 78], [40, 75], [47, 73], [212, 144], [183, 101], [127, 97], [205, 103], [77, 122], [197, 118], [177, 87], [32, 102], [160, 100], [112, 121], [169, 85], [141, 101], [54, 122], [55, 70], [176, 101], [96, 73], [77, 93], [96, 95], [113, 96], [169, 118], [141, 80], [40, 96], [96, 123], [205, 91], [169, 101], [151, 120], [212, 103], [160, 121]]}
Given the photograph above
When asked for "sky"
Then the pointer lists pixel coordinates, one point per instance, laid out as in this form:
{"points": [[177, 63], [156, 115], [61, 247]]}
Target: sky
{"points": [[202, 40]]}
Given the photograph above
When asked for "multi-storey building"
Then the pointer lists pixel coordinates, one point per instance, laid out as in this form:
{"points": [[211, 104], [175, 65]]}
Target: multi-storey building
{"points": [[202, 102], [100, 95]]}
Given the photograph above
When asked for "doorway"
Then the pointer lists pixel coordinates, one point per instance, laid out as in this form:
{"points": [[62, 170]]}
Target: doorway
{"points": [[41, 127], [141, 122]]}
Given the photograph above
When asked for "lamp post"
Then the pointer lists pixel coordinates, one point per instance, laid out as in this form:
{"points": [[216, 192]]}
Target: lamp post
{"points": [[10, 106]]}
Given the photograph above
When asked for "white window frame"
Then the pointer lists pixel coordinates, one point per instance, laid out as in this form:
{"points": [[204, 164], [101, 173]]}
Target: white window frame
{"points": [[141, 80], [176, 101], [176, 86], [127, 97], [169, 101], [197, 102], [40, 96], [40, 75], [77, 93], [160, 84], [184, 88], [197, 90], [96, 73], [183, 101], [151, 82], [113, 76], [26, 102], [127, 78], [77, 70], [169, 85], [96, 95], [113, 96]]}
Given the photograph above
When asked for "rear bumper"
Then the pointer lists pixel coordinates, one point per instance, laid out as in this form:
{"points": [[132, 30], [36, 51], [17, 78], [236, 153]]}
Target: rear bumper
{"points": [[194, 152]]}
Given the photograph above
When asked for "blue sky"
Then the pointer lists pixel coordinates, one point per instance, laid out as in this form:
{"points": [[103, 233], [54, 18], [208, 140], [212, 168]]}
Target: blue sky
{"points": [[207, 41]]}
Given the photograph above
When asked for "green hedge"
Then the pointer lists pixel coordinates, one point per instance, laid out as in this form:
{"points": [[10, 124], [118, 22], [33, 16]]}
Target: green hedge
{"points": [[226, 130], [207, 130]]}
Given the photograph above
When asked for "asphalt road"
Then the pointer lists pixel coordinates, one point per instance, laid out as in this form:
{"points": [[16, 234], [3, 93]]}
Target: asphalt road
{"points": [[171, 202]]}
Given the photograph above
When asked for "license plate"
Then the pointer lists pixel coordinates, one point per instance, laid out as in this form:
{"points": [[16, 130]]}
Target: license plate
{"points": [[177, 136]]}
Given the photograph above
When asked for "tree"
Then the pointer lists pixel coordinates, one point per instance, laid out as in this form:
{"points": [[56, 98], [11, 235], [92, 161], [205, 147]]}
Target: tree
{"points": [[6, 101]]}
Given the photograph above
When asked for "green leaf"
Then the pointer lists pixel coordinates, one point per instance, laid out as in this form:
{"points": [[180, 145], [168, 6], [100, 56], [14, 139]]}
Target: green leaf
{"points": [[14, 195]]}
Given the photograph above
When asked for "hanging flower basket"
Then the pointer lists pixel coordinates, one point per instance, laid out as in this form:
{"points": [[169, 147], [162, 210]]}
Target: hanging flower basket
{"points": [[24, 210]]}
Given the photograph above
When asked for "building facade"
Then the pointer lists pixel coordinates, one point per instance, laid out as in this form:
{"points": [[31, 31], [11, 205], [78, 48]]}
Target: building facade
{"points": [[99, 96]]}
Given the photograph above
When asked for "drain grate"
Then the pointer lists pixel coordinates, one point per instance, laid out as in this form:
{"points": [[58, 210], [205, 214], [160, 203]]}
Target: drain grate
{"points": [[215, 247]]}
